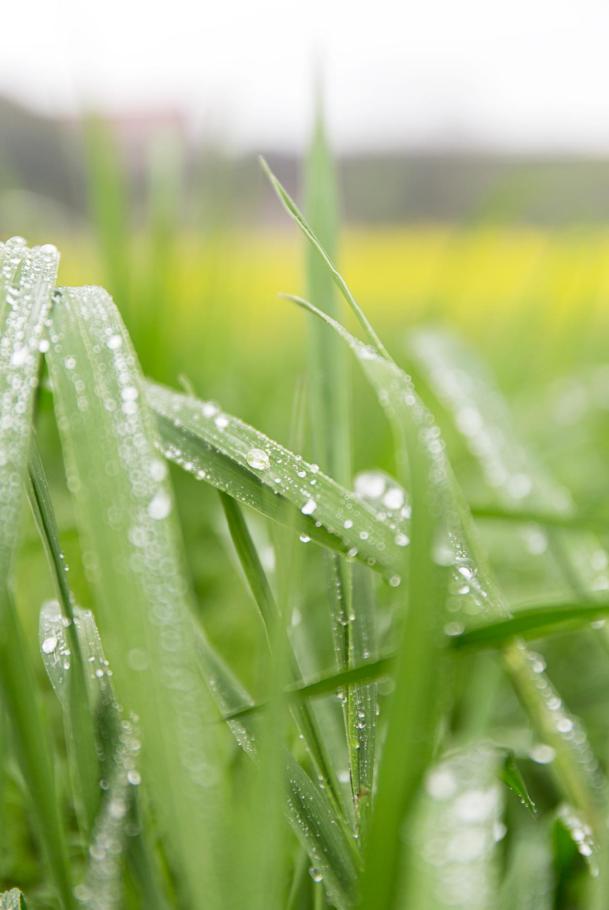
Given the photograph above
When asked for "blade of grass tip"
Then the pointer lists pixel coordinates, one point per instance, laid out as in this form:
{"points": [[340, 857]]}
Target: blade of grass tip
{"points": [[258, 472], [295, 213], [12, 900], [124, 506], [414, 705], [80, 730], [26, 282], [352, 601]]}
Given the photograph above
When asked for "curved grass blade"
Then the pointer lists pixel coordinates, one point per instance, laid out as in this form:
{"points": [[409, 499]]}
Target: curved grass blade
{"points": [[27, 278], [295, 213], [124, 506], [264, 475]]}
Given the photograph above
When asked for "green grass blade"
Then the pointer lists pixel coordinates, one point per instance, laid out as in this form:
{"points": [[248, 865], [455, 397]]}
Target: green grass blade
{"points": [[26, 282], [413, 711], [533, 622], [258, 472], [352, 598], [295, 213], [250, 561], [117, 742], [330, 387], [125, 506], [79, 721]]}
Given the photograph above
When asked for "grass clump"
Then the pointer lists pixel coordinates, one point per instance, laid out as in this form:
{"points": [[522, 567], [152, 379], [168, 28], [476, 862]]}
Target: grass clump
{"points": [[386, 739]]}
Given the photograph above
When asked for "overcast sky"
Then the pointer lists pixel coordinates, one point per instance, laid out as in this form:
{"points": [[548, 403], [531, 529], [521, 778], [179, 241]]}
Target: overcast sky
{"points": [[521, 73]]}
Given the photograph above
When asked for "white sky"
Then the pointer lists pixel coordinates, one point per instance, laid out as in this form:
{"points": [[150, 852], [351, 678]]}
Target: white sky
{"points": [[520, 73]]}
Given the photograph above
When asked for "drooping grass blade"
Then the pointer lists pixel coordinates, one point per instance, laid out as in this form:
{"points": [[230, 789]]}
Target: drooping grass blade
{"points": [[261, 473], [125, 506], [27, 278]]}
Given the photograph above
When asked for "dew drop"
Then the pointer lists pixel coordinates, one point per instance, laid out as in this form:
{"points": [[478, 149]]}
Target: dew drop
{"points": [[258, 459], [159, 506], [309, 507], [49, 644]]}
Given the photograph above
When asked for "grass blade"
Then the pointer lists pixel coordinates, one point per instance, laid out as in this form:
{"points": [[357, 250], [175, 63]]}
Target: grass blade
{"points": [[124, 507], [118, 746], [260, 473], [351, 597], [413, 711], [295, 213], [78, 718], [27, 278]]}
